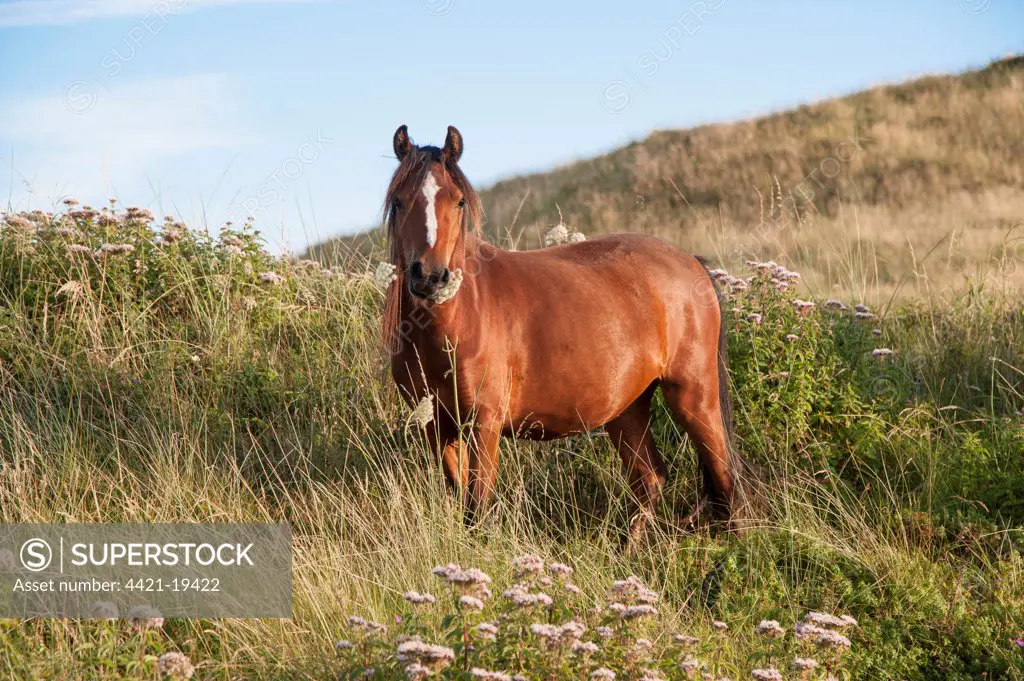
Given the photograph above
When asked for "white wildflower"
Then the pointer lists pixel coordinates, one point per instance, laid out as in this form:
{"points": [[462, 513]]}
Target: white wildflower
{"points": [[434, 656], [417, 672], [176, 665], [383, 275], [581, 648], [548, 632], [833, 639], [633, 589], [114, 249], [633, 612], [690, 665], [107, 220], [145, 617], [825, 619], [803, 306], [423, 414], [18, 223], [104, 610], [469, 580], [804, 664], [487, 631], [484, 675], [522, 598], [448, 291], [368, 626], [417, 598], [527, 565], [561, 570], [559, 234], [471, 603], [139, 214], [643, 647], [770, 629], [806, 630], [171, 235], [572, 630]]}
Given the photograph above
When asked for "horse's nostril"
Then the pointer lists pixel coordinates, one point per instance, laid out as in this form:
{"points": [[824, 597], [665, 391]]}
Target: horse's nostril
{"points": [[416, 270], [445, 276]]}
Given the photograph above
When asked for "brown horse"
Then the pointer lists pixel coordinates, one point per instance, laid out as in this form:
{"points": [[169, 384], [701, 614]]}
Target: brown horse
{"points": [[541, 344]]}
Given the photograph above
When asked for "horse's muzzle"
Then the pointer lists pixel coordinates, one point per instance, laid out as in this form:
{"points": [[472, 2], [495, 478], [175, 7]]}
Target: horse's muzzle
{"points": [[425, 285]]}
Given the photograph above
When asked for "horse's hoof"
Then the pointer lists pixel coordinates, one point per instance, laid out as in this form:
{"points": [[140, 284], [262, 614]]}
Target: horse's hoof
{"points": [[631, 538], [691, 524]]}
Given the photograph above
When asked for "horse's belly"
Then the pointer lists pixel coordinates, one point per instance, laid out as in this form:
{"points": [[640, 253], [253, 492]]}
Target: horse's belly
{"points": [[563, 398]]}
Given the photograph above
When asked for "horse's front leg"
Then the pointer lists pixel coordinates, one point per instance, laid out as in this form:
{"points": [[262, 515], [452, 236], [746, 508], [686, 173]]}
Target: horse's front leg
{"points": [[483, 468], [452, 452]]}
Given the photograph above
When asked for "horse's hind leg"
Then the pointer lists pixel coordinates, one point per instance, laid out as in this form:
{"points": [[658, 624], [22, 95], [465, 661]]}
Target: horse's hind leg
{"points": [[630, 432], [696, 407]]}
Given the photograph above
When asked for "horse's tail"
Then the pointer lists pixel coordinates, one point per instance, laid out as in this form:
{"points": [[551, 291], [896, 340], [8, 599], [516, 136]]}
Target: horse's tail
{"points": [[736, 464]]}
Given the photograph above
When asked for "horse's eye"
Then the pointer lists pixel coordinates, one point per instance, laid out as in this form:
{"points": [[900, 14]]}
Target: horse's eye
{"points": [[462, 203], [397, 204]]}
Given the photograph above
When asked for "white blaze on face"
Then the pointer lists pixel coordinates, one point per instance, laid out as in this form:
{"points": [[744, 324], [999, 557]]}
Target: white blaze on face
{"points": [[430, 189]]}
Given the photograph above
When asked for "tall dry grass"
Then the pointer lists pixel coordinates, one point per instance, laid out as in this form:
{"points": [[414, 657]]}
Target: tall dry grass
{"points": [[179, 383]]}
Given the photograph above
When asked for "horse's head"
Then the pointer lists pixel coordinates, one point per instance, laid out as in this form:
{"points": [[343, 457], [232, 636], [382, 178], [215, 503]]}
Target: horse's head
{"points": [[428, 208]]}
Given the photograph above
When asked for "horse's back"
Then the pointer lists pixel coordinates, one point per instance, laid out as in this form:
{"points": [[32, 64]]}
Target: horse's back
{"points": [[589, 326]]}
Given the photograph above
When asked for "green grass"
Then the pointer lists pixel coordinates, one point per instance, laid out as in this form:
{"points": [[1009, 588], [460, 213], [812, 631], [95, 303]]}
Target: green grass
{"points": [[171, 384]]}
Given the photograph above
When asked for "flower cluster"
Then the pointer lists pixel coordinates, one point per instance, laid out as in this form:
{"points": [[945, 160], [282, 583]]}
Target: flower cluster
{"points": [[529, 634], [563, 234]]}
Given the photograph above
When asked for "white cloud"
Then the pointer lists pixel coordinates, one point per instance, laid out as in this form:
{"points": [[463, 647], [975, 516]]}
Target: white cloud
{"points": [[36, 12], [125, 132]]}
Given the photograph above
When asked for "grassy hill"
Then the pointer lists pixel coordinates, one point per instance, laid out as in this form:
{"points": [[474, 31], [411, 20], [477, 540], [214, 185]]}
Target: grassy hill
{"points": [[154, 374], [854, 191]]}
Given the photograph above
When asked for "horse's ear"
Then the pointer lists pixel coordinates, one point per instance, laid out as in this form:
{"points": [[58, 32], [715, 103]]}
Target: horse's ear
{"points": [[401, 144], [453, 144]]}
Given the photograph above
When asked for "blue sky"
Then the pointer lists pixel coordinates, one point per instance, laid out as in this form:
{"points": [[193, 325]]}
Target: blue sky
{"points": [[210, 109]]}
